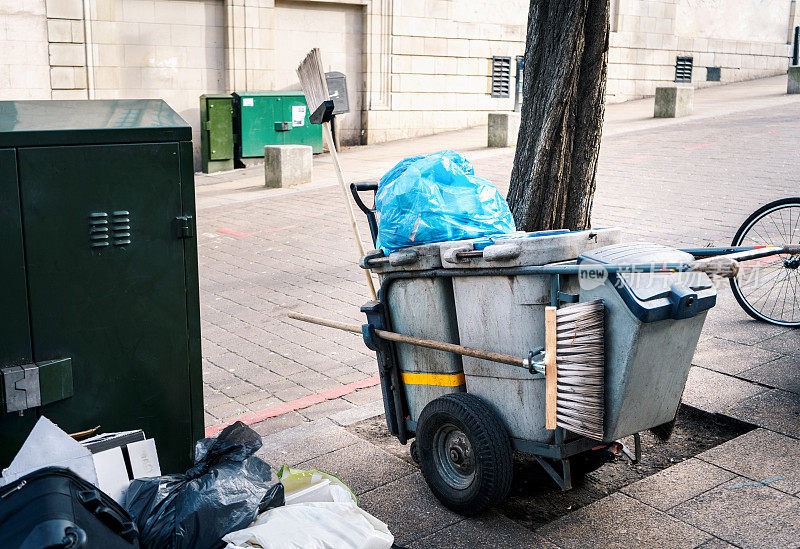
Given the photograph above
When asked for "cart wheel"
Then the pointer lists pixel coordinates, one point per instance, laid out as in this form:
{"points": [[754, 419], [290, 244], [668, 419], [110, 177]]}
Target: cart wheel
{"points": [[768, 291], [465, 453], [414, 452]]}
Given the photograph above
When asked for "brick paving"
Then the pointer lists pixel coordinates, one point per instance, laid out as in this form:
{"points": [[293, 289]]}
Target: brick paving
{"points": [[689, 183]]}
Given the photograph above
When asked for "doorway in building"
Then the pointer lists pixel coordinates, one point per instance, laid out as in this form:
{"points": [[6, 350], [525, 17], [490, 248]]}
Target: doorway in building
{"points": [[337, 30]]}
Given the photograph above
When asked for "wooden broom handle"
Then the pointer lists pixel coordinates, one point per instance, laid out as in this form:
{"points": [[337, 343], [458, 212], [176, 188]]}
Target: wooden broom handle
{"points": [[550, 368], [418, 341], [326, 131]]}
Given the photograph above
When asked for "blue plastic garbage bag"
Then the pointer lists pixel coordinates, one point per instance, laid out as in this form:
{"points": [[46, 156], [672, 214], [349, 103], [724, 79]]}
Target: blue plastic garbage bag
{"points": [[436, 198]]}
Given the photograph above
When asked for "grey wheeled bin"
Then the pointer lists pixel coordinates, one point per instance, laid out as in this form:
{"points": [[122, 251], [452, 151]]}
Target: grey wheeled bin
{"points": [[419, 306], [653, 314], [505, 314], [653, 323], [422, 307]]}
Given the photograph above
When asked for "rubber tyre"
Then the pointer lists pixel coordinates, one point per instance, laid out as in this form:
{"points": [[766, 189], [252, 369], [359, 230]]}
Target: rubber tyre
{"points": [[491, 447], [737, 240], [414, 452]]}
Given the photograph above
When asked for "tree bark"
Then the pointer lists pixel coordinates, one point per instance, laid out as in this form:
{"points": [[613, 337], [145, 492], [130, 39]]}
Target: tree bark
{"points": [[566, 56]]}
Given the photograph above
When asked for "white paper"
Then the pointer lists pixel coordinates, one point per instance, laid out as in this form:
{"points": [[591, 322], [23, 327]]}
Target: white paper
{"points": [[49, 446], [144, 459], [247, 101], [298, 115], [112, 475]]}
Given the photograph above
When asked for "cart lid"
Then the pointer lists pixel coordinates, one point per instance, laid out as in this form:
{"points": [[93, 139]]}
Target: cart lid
{"points": [[655, 296], [57, 122], [521, 249]]}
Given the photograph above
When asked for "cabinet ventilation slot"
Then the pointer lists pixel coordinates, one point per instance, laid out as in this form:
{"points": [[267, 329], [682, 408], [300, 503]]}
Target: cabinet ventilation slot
{"points": [[98, 229], [121, 228]]}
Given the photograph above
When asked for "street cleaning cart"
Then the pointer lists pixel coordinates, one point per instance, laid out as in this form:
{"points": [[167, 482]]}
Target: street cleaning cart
{"points": [[451, 316]]}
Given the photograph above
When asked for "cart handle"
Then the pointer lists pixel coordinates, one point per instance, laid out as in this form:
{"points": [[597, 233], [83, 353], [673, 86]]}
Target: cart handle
{"points": [[364, 186], [420, 342]]}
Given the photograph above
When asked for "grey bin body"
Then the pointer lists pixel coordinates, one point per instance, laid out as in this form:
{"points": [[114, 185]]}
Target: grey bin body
{"points": [[423, 307], [653, 323], [506, 314]]}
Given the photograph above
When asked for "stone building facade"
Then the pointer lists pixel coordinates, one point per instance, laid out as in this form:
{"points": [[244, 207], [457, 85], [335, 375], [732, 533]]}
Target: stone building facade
{"points": [[413, 67]]}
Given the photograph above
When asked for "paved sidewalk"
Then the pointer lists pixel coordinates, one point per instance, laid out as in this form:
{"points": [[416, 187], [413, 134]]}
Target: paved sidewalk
{"points": [[266, 252], [681, 182]]}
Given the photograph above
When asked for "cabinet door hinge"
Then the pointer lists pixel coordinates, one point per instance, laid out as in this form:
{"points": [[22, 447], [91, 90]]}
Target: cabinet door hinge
{"points": [[185, 226]]}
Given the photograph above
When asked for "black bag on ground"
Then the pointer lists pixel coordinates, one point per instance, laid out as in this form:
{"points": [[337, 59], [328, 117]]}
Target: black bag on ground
{"points": [[53, 507], [224, 491]]}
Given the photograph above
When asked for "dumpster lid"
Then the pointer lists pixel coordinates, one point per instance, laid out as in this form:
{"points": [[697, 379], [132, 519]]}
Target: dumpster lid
{"points": [[287, 93], [656, 296], [57, 122]]}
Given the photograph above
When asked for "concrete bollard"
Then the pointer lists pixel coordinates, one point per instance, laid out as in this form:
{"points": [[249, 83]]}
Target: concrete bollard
{"points": [[286, 165], [793, 85], [673, 102], [503, 129]]}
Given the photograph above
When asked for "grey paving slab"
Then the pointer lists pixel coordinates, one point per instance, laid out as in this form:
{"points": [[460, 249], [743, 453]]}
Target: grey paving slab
{"points": [[409, 509], [278, 423], [781, 374], [758, 455], [306, 449], [727, 320], [491, 530], [619, 521], [715, 392], [365, 396], [730, 357], [747, 516], [362, 467], [787, 343], [716, 543], [773, 409], [677, 484], [325, 409], [360, 413]]}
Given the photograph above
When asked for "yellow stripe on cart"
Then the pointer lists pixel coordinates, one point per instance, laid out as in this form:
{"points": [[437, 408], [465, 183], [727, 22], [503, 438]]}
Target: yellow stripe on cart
{"points": [[439, 380]]}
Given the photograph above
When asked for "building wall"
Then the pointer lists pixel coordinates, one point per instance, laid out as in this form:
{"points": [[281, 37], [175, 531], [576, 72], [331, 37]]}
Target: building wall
{"points": [[414, 67], [337, 30], [745, 38], [168, 49], [440, 71], [24, 60]]}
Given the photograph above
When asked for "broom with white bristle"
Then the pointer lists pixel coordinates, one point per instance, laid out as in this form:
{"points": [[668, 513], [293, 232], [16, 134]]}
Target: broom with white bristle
{"points": [[573, 365], [579, 364], [315, 88]]}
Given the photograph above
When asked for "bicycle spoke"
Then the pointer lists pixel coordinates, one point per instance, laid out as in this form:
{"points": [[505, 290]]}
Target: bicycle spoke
{"points": [[767, 289]]}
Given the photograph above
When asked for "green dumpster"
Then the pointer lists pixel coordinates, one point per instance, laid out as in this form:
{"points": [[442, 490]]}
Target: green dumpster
{"points": [[99, 291], [273, 118], [216, 132]]}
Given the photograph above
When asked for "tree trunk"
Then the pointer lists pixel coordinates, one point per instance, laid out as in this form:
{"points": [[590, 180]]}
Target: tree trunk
{"points": [[566, 56]]}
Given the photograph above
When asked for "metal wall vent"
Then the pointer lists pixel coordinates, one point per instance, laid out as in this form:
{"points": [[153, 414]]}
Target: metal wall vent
{"points": [[121, 228], [501, 76], [683, 69], [98, 229], [713, 74]]}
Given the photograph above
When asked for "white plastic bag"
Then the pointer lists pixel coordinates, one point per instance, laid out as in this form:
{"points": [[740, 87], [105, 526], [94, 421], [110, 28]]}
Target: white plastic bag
{"points": [[314, 525], [321, 512]]}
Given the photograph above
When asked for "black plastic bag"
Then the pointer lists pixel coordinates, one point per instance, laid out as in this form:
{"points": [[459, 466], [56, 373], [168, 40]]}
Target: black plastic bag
{"points": [[224, 491]]}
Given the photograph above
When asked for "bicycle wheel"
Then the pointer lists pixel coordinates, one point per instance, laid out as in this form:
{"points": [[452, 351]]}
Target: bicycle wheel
{"points": [[767, 288]]}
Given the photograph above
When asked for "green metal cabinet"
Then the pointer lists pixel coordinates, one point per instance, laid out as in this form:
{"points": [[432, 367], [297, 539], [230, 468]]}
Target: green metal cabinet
{"points": [[216, 132], [273, 118], [99, 289]]}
